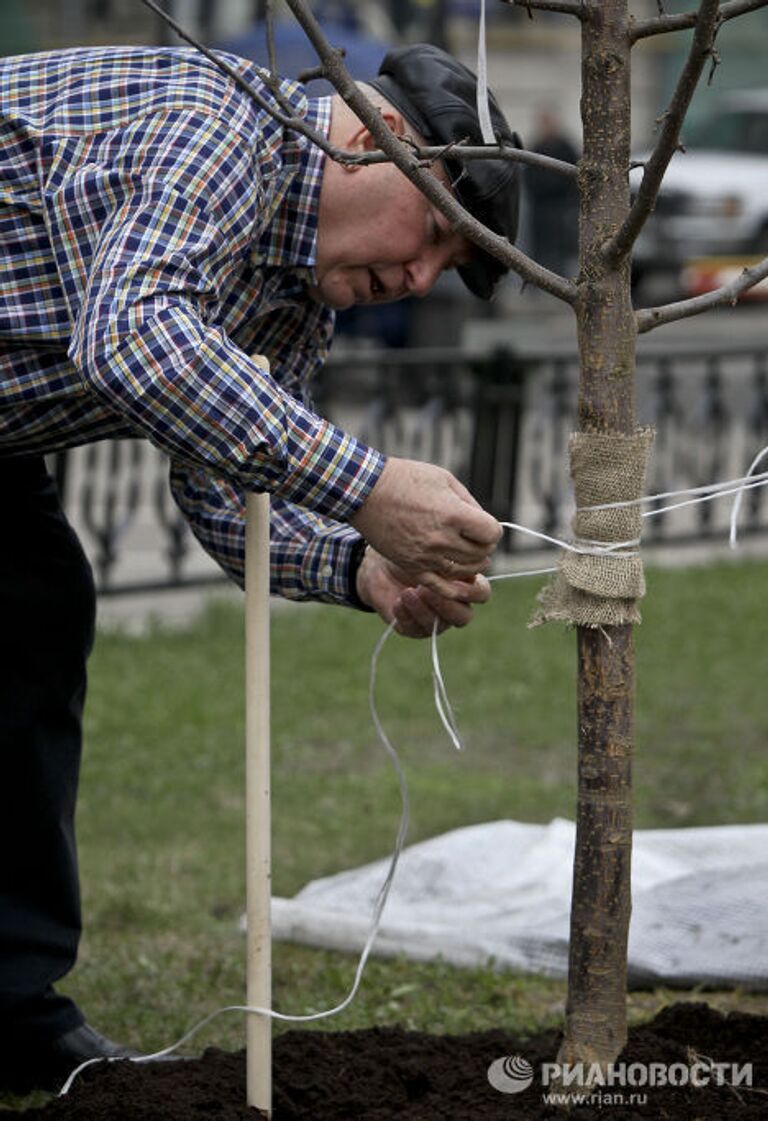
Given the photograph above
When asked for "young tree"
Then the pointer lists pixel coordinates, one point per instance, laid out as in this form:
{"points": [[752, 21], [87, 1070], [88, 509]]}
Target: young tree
{"points": [[598, 593]]}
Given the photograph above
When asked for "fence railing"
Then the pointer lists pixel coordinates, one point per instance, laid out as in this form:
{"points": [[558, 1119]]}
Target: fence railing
{"points": [[500, 423]]}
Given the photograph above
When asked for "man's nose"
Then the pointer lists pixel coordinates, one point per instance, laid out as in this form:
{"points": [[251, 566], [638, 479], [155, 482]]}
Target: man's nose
{"points": [[422, 273]]}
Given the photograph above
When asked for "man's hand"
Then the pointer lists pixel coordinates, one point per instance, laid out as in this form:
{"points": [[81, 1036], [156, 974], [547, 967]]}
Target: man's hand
{"points": [[390, 591], [423, 520]]}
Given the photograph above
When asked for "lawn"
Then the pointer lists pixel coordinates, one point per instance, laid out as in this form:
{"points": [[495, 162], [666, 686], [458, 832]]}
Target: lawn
{"points": [[161, 817]]}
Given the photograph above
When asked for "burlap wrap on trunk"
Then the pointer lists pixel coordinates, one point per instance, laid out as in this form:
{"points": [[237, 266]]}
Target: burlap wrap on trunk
{"points": [[598, 591]]}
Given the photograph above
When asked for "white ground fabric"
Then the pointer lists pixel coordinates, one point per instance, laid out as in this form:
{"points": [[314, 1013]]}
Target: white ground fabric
{"points": [[501, 892]]}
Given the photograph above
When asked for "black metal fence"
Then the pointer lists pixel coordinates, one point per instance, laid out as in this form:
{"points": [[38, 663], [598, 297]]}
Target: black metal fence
{"points": [[500, 423]]}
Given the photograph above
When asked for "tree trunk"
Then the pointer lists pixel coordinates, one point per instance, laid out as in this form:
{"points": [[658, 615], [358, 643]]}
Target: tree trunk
{"points": [[596, 1007]]}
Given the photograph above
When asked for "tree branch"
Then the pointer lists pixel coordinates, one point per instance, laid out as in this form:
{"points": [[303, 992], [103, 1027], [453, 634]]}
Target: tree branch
{"points": [[537, 159], [648, 318], [466, 153], [642, 29], [568, 7], [669, 139]]}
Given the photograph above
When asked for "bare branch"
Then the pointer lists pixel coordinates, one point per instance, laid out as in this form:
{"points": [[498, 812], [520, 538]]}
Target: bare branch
{"points": [[648, 318], [568, 7], [642, 29], [464, 152], [701, 49], [407, 162], [311, 74], [467, 153]]}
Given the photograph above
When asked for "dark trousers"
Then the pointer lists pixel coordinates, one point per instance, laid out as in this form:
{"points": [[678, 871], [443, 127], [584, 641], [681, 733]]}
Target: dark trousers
{"points": [[47, 608]]}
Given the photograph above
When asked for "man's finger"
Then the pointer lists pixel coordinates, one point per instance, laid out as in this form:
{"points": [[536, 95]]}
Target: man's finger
{"points": [[489, 533], [413, 618], [454, 613], [468, 549], [457, 586], [454, 569], [477, 524], [416, 610], [474, 589]]}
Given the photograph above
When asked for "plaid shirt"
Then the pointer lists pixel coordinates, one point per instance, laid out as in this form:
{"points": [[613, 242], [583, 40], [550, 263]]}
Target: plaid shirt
{"points": [[158, 234]]}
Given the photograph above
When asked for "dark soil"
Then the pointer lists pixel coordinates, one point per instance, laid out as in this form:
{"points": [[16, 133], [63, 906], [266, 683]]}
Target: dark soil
{"points": [[385, 1073]]}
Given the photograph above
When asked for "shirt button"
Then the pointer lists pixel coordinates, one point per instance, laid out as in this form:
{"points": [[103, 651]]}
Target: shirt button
{"points": [[327, 571]]}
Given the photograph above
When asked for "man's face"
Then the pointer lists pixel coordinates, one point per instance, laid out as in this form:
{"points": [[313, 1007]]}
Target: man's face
{"points": [[380, 239]]}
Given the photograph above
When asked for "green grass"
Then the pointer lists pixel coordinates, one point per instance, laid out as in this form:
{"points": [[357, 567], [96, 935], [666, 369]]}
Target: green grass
{"points": [[161, 815]]}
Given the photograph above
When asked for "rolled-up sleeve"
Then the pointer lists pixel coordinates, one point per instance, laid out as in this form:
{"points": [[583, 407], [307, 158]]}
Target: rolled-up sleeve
{"points": [[310, 555]]}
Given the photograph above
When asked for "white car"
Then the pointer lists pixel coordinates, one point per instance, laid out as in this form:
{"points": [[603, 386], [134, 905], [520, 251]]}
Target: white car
{"points": [[714, 198]]}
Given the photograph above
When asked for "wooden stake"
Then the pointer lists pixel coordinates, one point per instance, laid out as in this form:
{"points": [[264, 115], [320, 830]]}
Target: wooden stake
{"points": [[257, 794]]}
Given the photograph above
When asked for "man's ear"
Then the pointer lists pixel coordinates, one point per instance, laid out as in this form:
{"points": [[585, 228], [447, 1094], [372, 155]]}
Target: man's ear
{"points": [[361, 140]]}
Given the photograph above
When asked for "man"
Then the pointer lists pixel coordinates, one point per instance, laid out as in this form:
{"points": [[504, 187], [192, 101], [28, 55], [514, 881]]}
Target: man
{"points": [[171, 259]]}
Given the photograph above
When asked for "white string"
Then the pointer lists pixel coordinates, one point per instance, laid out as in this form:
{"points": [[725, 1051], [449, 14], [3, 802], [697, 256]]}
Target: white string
{"points": [[483, 108], [442, 701], [701, 494], [584, 547], [737, 501], [705, 493], [706, 498], [729, 486], [515, 575]]}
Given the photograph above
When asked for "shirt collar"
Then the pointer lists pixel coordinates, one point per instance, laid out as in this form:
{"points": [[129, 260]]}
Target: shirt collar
{"points": [[290, 239]]}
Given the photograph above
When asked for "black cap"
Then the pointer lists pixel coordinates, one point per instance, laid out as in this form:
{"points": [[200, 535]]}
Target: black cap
{"points": [[438, 96]]}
